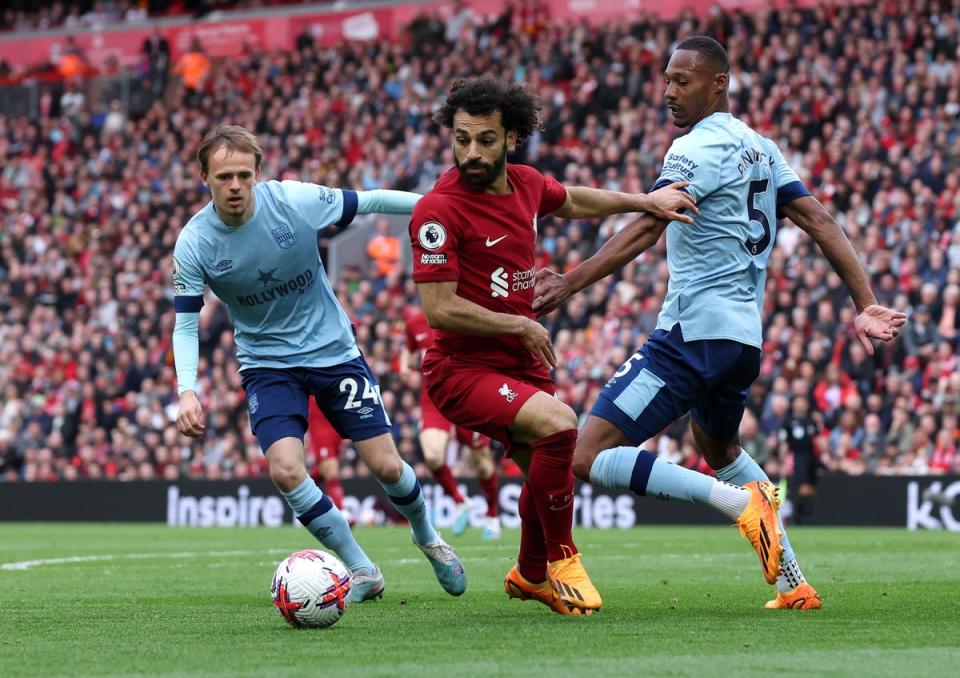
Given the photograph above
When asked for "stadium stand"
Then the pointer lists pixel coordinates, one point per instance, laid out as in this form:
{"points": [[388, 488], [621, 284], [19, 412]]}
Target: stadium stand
{"points": [[864, 100], [24, 15]]}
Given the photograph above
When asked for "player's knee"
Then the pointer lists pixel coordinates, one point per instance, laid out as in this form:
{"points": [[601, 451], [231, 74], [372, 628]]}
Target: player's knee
{"points": [[561, 419], [287, 474], [433, 458], [483, 462], [386, 468], [582, 463]]}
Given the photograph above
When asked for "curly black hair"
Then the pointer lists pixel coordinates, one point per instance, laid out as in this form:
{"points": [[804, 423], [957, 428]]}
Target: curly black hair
{"points": [[519, 107]]}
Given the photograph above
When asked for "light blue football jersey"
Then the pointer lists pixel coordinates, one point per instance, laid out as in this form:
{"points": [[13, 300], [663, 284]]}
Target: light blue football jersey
{"points": [[269, 274], [718, 264]]}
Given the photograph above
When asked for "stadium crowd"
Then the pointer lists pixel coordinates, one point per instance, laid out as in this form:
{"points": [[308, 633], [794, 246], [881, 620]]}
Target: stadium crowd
{"points": [[864, 100], [29, 15]]}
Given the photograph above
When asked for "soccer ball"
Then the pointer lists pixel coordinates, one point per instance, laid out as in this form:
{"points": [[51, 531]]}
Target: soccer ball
{"points": [[311, 589]]}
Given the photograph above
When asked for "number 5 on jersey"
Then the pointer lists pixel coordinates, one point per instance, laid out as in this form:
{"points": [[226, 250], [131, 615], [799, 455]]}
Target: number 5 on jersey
{"points": [[756, 247]]}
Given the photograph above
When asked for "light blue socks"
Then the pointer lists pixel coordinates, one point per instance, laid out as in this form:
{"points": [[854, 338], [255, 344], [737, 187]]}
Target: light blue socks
{"points": [[325, 522], [630, 468], [406, 496]]}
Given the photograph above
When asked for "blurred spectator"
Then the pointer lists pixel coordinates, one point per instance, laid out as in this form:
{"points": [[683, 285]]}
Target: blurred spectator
{"points": [[425, 31], [193, 67], [115, 120], [384, 250], [459, 22], [798, 436], [156, 52], [752, 441], [72, 63], [920, 337], [304, 39]]}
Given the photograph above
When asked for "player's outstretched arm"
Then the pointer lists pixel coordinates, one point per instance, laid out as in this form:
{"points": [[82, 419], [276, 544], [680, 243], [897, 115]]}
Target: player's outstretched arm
{"points": [[383, 201], [873, 321], [186, 352], [445, 310], [552, 289], [668, 203]]}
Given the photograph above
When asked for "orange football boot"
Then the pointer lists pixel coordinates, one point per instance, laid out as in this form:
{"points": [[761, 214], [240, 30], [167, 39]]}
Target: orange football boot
{"points": [[518, 587], [758, 523], [804, 597], [572, 583]]}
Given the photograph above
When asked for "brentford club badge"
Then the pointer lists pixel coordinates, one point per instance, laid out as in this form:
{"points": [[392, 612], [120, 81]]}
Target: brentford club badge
{"points": [[283, 235]]}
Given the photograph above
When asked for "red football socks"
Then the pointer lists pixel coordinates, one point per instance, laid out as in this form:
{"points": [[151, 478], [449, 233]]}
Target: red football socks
{"points": [[490, 488], [334, 491], [443, 477], [550, 479], [532, 561]]}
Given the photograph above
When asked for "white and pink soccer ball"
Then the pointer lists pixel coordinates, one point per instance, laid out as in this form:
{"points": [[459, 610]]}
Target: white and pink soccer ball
{"points": [[311, 589]]}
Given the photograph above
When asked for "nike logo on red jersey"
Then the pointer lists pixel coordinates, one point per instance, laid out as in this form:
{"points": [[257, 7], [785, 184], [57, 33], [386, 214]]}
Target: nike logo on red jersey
{"points": [[491, 243]]}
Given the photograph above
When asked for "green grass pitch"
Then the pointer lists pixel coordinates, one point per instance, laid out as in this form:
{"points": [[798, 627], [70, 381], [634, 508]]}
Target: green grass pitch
{"points": [[109, 600]]}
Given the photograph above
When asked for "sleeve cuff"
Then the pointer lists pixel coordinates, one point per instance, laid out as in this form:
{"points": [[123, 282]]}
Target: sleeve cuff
{"points": [[185, 304], [349, 207], [791, 191]]}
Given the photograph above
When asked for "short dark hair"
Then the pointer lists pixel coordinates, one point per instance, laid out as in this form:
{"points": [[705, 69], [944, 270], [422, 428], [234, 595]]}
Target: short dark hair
{"points": [[519, 107], [709, 49]]}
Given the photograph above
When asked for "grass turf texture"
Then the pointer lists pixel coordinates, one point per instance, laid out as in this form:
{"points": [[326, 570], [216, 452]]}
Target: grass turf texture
{"points": [[677, 601]]}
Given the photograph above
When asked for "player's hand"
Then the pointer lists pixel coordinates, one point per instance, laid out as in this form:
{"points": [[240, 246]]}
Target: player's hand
{"points": [[190, 417], [878, 322], [551, 289], [665, 203], [535, 338]]}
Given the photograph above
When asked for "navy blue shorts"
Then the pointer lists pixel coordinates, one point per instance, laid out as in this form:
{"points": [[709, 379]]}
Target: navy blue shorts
{"points": [[669, 377], [347, 394]]}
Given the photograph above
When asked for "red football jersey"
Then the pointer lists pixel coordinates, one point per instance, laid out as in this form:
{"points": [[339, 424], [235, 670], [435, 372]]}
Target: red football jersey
{"points": [[486, 243], [419, 334]]}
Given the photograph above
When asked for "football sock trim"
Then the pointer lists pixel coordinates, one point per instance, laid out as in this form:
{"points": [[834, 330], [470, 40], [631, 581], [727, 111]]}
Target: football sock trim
{"points": [[407, 497]]}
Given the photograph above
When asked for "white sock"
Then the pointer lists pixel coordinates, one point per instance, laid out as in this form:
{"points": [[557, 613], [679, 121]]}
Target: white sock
{"points": [[729, 499], [790, 576]]}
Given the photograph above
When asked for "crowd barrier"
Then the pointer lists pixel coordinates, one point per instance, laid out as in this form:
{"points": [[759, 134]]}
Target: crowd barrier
{"points": [[912, 502]]}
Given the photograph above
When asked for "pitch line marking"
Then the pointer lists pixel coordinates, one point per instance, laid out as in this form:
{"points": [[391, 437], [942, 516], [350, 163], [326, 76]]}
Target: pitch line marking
{"points": [[22, 565], [28, 564]]}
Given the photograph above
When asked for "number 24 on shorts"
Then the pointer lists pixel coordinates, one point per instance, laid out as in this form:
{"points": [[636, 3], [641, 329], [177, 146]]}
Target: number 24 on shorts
{"points": [[350, 386]]}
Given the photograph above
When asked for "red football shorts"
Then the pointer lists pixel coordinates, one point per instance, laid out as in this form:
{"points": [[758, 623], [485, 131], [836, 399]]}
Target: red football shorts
{"points": [[325, 442], [480, 399], [472, 439], [432, 418]]}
